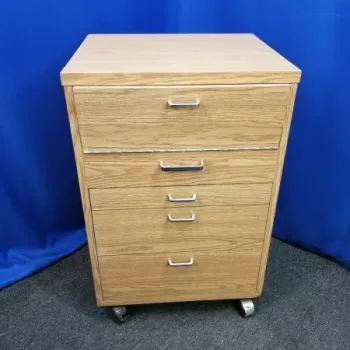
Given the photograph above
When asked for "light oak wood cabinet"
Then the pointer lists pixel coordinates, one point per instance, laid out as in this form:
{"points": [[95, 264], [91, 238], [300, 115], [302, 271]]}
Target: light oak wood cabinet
{"points": [[179, 142]]}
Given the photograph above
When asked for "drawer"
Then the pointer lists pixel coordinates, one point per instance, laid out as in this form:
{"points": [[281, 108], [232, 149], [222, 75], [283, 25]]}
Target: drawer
{"points": [[201, 168], [179, 196], [150, 279], [151, 231], [180, 118]]}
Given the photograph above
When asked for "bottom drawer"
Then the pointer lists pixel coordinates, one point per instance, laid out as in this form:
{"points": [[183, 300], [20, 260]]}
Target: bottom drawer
{"points": [[130, 280]]}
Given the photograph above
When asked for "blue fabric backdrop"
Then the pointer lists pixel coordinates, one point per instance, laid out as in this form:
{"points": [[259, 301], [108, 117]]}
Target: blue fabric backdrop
{"points": [[41, 216]]}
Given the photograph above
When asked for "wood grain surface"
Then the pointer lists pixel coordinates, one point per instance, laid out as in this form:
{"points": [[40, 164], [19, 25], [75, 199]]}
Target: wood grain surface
{"points": [[69, 96], [148, 231], [158, 197], [171, 59], [136, 118], [143, 170], [275, 189], [149, 279]]}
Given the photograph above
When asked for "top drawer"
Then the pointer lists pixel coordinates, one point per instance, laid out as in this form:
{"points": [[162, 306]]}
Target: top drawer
{"points": [[180, 118]]}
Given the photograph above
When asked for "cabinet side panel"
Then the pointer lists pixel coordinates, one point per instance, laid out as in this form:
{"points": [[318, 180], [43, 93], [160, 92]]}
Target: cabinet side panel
{"points": [[275, 188], [73, 121]]}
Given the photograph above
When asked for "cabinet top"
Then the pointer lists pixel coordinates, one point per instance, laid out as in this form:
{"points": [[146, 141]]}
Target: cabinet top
{"points": [[175, 59]]}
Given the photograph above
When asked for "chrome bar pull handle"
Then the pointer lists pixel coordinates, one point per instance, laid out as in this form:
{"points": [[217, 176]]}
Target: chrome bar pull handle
{"points": [[172, 104], [190, 219], [198, 167], [189, 199], [185, 263]]}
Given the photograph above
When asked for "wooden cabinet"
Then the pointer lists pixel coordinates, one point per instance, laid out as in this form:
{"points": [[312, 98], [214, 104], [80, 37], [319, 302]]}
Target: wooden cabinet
{"points": [[179, 143]]}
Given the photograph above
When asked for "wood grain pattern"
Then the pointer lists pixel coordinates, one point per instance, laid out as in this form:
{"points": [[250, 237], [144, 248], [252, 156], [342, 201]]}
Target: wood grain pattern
{"points": [[139, 170], [171, 59], [117, 88], [149, 279], [149, 231], [134, 118], [275, 189], [157, 197], [83, 191]]}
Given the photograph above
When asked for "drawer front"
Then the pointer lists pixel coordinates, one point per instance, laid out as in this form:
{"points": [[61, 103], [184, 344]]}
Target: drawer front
{"points": [[140, 118], [151, 231], [203, 168], [179, 196], [150, 279]]}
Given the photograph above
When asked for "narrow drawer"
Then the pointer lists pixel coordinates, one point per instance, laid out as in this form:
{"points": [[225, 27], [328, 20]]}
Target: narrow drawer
{"points": [[180, 118], [150, 279], [179, 196], [186, 168], [152, 231]]}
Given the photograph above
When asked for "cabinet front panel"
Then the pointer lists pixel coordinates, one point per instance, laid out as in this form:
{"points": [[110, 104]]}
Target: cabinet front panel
{"points": [[180, 118], [179, 196], [150, 278], [144, 231], [179, 168]]}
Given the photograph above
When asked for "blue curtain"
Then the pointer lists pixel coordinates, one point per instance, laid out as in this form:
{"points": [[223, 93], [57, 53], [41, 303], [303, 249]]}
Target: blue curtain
{"points": [[41, 215]]}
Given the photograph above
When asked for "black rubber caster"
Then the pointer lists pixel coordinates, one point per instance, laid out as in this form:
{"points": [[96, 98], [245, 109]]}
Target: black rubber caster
{"points": [[120, 314]]}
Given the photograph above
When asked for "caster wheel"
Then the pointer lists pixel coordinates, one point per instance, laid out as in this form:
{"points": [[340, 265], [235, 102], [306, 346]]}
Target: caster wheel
{"points": [[247, 307], [120, 314]]}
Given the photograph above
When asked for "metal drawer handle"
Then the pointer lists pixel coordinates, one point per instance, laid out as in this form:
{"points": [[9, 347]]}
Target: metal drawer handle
{"points": [[198, 167], [190, 219], [186, 263], [172, 104], [190, 199]]}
